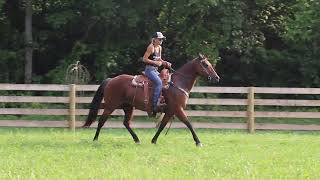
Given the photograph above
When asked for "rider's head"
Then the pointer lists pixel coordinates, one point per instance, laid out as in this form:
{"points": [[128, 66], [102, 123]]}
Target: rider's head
{"points": [[158, 37]]}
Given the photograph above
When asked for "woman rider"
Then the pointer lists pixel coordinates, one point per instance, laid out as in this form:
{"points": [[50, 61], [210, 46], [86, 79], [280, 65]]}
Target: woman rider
{"points": [[152, 59]]}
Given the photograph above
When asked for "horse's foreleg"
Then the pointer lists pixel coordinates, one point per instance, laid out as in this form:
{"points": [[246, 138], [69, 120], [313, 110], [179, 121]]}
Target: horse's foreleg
{"points": [[102, 120], [163, 124], [128, 110], [183, 117]]}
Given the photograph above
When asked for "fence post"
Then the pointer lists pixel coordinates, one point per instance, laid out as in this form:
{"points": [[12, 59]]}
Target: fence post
{"points": [[250, 110], [72, 107]]}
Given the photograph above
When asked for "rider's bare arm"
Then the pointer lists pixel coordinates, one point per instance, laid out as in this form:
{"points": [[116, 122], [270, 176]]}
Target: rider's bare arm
{"points": [[146, 57], [164, 63]]}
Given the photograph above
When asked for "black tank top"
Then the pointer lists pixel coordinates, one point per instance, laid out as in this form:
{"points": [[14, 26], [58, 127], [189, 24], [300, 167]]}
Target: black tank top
{"points": [[155, 55]]}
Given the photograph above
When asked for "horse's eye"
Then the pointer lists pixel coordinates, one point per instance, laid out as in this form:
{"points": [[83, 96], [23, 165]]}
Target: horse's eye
{"points": [[205, 64]]}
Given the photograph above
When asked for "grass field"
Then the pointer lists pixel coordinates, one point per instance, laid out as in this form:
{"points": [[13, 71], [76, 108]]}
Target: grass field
{"points": [[34, 153]]}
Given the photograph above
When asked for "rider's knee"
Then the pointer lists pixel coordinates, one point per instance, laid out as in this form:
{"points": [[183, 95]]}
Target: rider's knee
{"points": [[158, 82]]}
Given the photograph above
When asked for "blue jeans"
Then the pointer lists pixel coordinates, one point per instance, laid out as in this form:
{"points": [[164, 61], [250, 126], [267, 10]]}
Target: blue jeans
{"points": [[153, 75]]}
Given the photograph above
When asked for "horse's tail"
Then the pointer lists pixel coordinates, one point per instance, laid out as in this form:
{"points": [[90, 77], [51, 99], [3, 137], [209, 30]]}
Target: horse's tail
{"points": [[95, 104]]}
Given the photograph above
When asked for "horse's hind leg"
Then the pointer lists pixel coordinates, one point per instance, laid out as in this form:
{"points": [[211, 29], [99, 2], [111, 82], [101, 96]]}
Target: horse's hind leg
{"points": [[128, 111], [102, 120]]}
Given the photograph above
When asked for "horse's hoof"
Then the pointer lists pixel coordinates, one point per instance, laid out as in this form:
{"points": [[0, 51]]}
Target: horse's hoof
{"points": [[137, 142], [154, 142], [199, 145]]}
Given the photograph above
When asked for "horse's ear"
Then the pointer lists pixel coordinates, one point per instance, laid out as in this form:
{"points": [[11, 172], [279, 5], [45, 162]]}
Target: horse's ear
{"points": [[201, 56]]}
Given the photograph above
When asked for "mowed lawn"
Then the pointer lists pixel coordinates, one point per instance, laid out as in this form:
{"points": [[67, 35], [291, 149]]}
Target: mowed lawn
{"points": [[44, 153]]}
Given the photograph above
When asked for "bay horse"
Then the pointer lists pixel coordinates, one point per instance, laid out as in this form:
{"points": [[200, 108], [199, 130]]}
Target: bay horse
{"points": [[119, 93]]}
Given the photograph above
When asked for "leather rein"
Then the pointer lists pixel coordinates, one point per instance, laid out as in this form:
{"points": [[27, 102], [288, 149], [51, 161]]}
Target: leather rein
{"points": [[188, 77]]}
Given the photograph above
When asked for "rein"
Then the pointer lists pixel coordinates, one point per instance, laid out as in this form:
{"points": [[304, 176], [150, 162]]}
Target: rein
{"points": [[184, 91], [179, 88], [186, 76]]}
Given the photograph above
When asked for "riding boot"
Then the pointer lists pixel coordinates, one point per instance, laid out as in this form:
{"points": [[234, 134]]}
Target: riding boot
{"points": [[159, 107]]}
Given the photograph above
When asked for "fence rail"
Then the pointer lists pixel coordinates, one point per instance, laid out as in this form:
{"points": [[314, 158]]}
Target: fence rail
{"points": [[250, 102]]}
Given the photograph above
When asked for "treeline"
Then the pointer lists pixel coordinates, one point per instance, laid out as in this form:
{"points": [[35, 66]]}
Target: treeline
{"points": [[253, 42]]}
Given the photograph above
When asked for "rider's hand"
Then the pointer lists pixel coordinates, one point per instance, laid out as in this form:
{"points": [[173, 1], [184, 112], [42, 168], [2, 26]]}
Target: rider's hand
{"points": [[157, 63], [166, 64]]}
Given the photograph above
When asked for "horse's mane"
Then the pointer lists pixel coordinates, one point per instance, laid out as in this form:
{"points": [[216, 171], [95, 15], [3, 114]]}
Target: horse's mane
{"points": [[187, 64]]}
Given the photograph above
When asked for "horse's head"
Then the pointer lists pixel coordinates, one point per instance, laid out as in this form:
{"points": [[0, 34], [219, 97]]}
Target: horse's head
{"points": [[206, 69]]}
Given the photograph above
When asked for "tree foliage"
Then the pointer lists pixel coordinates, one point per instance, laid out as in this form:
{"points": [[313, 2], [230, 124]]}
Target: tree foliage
{"points": [[253, 42]]}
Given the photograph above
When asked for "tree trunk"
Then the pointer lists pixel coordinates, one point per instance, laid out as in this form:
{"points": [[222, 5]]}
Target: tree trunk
{"points": [[28, 38]]}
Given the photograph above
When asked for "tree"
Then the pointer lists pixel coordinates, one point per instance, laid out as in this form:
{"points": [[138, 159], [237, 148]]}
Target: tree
{"points": [[28, 42], [259, 42]]}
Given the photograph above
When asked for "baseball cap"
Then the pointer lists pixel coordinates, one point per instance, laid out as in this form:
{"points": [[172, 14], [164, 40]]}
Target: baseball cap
{"points": [[158, 35]]}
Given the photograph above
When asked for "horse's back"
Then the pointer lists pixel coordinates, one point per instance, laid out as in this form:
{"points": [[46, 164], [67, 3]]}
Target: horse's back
{"points": [[122, 77], [115, 91], [120, 83], [120, 90]]}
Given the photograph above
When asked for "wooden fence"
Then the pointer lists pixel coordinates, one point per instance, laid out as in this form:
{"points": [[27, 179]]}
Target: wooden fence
{"points": [[250, 102]]}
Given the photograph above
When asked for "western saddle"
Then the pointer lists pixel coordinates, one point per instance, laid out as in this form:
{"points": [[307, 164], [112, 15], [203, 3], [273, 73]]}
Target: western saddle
{"points": [[142, 81]]}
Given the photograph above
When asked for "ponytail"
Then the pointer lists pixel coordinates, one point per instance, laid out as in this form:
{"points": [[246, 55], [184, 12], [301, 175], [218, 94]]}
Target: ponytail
{"points": [[152, 40]]}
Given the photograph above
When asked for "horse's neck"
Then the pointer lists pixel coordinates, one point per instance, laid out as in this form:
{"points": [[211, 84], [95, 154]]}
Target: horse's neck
{"points": [[185, 77]]}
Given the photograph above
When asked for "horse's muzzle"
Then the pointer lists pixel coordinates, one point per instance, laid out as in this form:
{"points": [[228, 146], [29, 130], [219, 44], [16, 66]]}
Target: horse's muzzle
{"points": [[214, 79]]}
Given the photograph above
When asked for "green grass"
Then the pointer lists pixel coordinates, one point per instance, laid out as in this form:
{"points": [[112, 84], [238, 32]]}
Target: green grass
{"points": [[303, 121], [35, 153]]}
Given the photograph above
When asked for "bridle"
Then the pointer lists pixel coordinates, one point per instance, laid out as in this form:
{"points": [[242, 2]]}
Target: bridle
{"points": [[205, 69], [188, 77]]}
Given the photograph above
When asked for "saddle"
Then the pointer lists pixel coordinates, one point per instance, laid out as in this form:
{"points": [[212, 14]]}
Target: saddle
{"points": [[142, 81]]}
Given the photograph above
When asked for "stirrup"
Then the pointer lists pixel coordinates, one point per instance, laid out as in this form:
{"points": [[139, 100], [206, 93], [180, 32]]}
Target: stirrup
{"points": [[160, 107]]}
